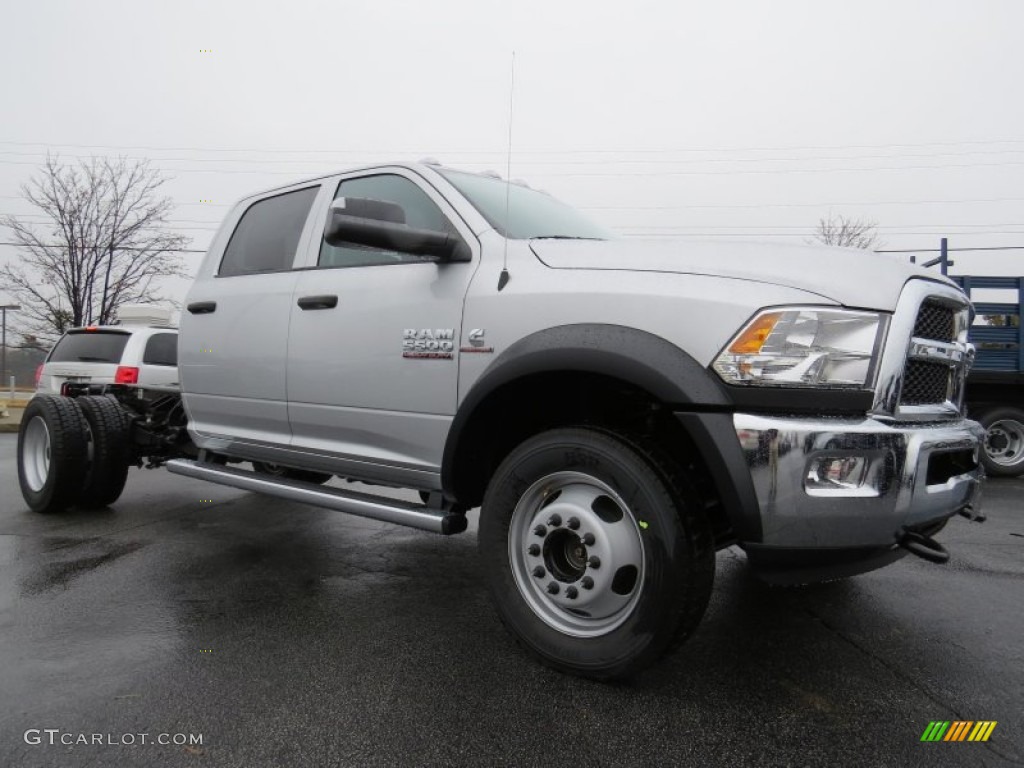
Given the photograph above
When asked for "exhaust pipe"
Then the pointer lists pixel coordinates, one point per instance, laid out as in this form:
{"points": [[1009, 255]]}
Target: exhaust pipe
{"points": [[445, 521]]}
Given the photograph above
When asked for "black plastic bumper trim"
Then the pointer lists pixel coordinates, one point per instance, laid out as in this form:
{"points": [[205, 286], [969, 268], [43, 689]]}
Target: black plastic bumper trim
{"points": [[819, 402]]}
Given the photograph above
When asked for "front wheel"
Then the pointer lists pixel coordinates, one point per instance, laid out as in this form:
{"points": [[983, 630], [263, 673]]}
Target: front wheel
{"points": [[1003, 451], [596, 550]]}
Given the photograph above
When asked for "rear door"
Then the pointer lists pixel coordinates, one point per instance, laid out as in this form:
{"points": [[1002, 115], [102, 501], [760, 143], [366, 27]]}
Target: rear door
{"points": [[234, 331], [84, 355], [372, 378]]}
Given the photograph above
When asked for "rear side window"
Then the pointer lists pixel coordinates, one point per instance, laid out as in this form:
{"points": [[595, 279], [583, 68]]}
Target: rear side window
{"points": [[268, 234], [161, 349], [89, 347]]}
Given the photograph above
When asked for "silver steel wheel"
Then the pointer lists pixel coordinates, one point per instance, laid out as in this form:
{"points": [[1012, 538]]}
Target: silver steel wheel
{"points": [[576, 554], [35, 456], [1004, 443]]}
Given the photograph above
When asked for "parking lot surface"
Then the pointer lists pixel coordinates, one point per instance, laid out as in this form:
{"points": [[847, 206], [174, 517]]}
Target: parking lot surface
{"points": [[287, 635]]}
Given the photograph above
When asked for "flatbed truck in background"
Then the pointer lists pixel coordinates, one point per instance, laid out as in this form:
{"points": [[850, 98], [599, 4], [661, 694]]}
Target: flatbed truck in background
{"points": [[995, 385]]}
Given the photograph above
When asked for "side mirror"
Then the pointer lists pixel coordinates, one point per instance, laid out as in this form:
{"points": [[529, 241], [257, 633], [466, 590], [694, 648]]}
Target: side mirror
{"points": [[374, 223]]}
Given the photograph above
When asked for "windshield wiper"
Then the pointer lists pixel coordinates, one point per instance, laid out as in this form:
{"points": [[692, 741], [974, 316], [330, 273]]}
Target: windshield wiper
{"points": [[88, 359], [566, 237]]}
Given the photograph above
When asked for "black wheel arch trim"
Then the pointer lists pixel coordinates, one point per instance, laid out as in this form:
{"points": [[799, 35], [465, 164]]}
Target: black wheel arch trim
{"points": [[645, 360], [642, 358], [716, 441]]}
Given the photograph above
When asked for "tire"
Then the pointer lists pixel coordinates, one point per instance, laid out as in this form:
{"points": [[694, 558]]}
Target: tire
{"points": [[51, 453], [1003, 451], [621, 535], [109, 434], [305, 475]]}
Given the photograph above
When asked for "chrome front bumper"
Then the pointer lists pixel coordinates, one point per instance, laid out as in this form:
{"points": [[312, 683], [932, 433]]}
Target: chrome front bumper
{"points": [[856, 483]]}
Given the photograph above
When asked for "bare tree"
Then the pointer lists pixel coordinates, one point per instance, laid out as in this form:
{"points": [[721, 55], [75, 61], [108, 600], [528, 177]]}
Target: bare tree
{"points": [[104, 244], [848, 233], [29, 341]]}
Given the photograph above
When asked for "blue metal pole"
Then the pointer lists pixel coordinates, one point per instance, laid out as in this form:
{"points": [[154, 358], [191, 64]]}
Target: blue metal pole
{"points": [[1020, 324]]}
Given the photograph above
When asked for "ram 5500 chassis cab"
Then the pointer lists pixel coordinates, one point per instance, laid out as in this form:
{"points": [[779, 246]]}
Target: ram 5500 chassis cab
{"points": [[619, 410]]}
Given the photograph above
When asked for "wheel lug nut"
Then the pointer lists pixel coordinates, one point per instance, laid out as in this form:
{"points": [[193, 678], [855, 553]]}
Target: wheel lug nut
{"points": [[587, 583], [555, 520], [534, 549], [588, 539], [574, 523], [540, 530], [571, 593], [553, 588], [594, 561], [539, 572]]}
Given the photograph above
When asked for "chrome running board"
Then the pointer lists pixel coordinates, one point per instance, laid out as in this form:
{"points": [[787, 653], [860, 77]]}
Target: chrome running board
{"points": [[355, 503]]}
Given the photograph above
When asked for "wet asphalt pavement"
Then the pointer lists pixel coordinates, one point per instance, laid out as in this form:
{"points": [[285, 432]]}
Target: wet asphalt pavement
{"points": [[287, 635]]}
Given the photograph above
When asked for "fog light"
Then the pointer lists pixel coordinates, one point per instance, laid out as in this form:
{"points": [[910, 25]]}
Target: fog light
{"points": [[837, 473]]}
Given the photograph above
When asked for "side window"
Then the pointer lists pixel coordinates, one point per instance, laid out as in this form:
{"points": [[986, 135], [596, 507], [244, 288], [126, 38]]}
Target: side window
{"points": [[161, 349], [268, 234], [420, 212]]}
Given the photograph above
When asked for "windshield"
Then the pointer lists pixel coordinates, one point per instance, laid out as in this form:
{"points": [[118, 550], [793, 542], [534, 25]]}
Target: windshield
{"points": [[530, 213]]}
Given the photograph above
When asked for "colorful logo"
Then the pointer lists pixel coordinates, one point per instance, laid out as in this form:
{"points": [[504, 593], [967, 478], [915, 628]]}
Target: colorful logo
{"points": [[958, 730]]}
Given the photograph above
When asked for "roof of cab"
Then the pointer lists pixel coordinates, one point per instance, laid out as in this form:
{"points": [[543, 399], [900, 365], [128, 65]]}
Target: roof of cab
{"points": [[424, 168], [416, 167]]}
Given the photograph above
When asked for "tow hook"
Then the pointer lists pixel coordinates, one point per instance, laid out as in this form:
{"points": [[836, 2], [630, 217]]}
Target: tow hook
{"points": [[972, 514], [924, 547]]}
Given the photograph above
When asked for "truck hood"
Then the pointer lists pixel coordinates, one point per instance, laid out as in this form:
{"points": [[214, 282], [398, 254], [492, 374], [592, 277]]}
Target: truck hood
{"points": [[851, 277]]}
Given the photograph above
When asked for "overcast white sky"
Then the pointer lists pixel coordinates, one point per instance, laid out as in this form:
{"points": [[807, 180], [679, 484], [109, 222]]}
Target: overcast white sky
{"points": [[687, 118]]}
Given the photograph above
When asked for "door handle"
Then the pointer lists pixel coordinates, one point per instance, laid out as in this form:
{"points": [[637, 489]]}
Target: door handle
{"points": [[318, 302], [202, 307]]}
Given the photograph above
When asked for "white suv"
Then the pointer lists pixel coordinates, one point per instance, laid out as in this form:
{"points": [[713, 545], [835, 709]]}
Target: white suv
{"points": [[146, 355]]}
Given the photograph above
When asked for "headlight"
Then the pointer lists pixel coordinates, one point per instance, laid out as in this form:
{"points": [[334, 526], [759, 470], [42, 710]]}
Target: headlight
{"points": [[798, 347]]}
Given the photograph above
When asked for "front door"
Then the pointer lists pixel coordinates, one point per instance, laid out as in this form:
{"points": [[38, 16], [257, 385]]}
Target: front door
{"points": [[373, 342]]}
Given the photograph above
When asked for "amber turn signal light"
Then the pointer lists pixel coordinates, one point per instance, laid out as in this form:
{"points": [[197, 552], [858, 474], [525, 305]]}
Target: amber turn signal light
{"points": [[754, 335]]}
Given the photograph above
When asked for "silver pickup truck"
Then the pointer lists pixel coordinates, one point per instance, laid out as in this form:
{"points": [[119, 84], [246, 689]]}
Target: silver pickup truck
{"points": [[619, 410]]}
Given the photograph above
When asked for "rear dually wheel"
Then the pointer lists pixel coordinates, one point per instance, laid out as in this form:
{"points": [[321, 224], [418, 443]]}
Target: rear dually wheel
{"points": [[108, 431], [52, 447]]}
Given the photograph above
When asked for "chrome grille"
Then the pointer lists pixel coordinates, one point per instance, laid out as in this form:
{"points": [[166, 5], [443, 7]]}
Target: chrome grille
{"points": [[928, 379], [924, 364], [925, 383], [936, 322]]}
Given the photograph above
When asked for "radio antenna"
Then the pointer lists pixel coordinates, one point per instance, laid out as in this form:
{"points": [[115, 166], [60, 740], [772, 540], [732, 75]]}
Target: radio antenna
{"points": [[503, 278]]}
